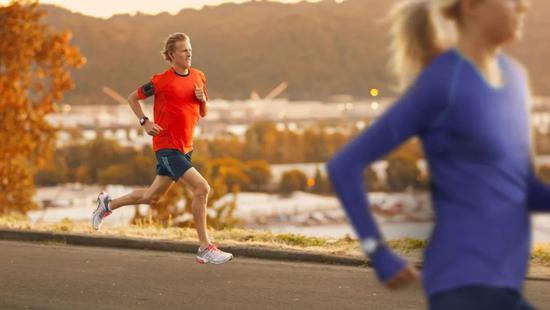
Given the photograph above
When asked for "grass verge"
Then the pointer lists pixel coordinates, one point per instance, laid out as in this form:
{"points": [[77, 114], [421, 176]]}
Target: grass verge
{"points": [[410, 248]]}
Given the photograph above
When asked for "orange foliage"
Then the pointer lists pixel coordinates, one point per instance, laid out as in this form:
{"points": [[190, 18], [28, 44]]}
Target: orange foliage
{"points": [[34, 73]]}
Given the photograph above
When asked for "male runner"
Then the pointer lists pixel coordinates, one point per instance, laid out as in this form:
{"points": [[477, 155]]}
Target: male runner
{"points": [[180, 100]]}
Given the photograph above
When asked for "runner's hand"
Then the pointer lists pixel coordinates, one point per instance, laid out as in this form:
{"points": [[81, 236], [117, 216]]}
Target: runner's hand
{"points": [[151, 128], [199, 94], [406, 276]]}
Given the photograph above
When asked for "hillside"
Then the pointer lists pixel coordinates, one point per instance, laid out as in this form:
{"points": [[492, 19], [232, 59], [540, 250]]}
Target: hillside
{"points": [[321, 49]]}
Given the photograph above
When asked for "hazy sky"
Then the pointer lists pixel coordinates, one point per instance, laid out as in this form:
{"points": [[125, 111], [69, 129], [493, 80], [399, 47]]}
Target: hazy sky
{"points": [[106, 8]]}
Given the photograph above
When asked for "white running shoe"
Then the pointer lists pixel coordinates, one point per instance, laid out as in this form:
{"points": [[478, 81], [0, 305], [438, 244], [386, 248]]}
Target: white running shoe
{"points": [[101, 211], [212, 255]]}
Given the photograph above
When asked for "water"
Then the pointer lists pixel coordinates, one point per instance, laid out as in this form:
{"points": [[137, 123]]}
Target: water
{"points": [[79, 203], [391, 231]]}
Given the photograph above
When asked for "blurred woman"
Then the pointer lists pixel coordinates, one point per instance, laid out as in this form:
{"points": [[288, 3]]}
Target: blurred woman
{"points": [[468, 103]]}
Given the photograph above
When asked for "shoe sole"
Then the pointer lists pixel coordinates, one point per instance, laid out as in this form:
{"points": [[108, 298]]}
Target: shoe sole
{"points": [[203, 261], [98, 201]]}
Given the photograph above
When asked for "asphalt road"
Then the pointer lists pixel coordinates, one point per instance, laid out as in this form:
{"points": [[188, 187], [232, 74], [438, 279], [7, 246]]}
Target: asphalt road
{"points": [[54, 276]]}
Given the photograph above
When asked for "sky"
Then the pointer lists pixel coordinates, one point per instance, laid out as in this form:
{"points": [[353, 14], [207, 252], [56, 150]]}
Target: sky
{"points": [[107, 8]]}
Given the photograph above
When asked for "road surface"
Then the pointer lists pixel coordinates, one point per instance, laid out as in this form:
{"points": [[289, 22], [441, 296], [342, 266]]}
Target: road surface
{"points": [[56, 276]]}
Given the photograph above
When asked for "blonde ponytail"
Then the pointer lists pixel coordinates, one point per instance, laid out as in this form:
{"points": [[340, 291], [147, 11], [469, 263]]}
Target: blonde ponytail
{"points": [[417, 35]]}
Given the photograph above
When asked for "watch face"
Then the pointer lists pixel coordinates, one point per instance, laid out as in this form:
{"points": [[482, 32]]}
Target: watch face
{"points": [[370, 245]]}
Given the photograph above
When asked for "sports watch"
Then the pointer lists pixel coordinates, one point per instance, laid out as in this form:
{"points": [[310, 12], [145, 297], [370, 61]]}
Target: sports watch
{"points": [[142, 120], [371, 245]]}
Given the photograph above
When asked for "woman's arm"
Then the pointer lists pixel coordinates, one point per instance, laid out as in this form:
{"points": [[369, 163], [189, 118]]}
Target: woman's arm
{"points": [[538, 194], [422, 108]]}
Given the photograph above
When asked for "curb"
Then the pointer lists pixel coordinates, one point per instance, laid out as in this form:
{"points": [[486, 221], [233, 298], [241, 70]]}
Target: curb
{"points": [[179, 246]]}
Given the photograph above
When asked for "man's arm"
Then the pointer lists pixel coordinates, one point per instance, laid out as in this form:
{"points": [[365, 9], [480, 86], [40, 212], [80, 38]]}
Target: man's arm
{"points": [[203, 108], [133, 101], [151, 128]]}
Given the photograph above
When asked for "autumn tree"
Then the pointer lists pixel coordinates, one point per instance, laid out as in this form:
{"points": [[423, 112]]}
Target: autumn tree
{"points": [[541, 142], [372, 181], [321, 183], [34, 74], [293, 180], [402, 171], [543, 173], [259, 173]]}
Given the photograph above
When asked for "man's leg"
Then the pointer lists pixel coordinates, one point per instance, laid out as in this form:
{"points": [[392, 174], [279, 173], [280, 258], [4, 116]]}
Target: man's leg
{"points": [[150, 195], [208, 253], [200, 188]]}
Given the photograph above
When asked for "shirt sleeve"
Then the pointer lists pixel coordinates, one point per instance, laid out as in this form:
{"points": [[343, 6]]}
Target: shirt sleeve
{"points": [[538, 195], [422, 106]]}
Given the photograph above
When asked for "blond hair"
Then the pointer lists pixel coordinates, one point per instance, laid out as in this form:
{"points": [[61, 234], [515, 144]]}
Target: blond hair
{"points": [[170, 44], [419, 33]]}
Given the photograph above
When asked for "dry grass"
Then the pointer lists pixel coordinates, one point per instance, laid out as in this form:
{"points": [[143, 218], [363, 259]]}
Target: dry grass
{"points": [[411, 248], [540, 255]]}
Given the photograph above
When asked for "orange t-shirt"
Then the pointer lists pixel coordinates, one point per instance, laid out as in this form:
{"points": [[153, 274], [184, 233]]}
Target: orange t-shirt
{"points": [[176, 109]]}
